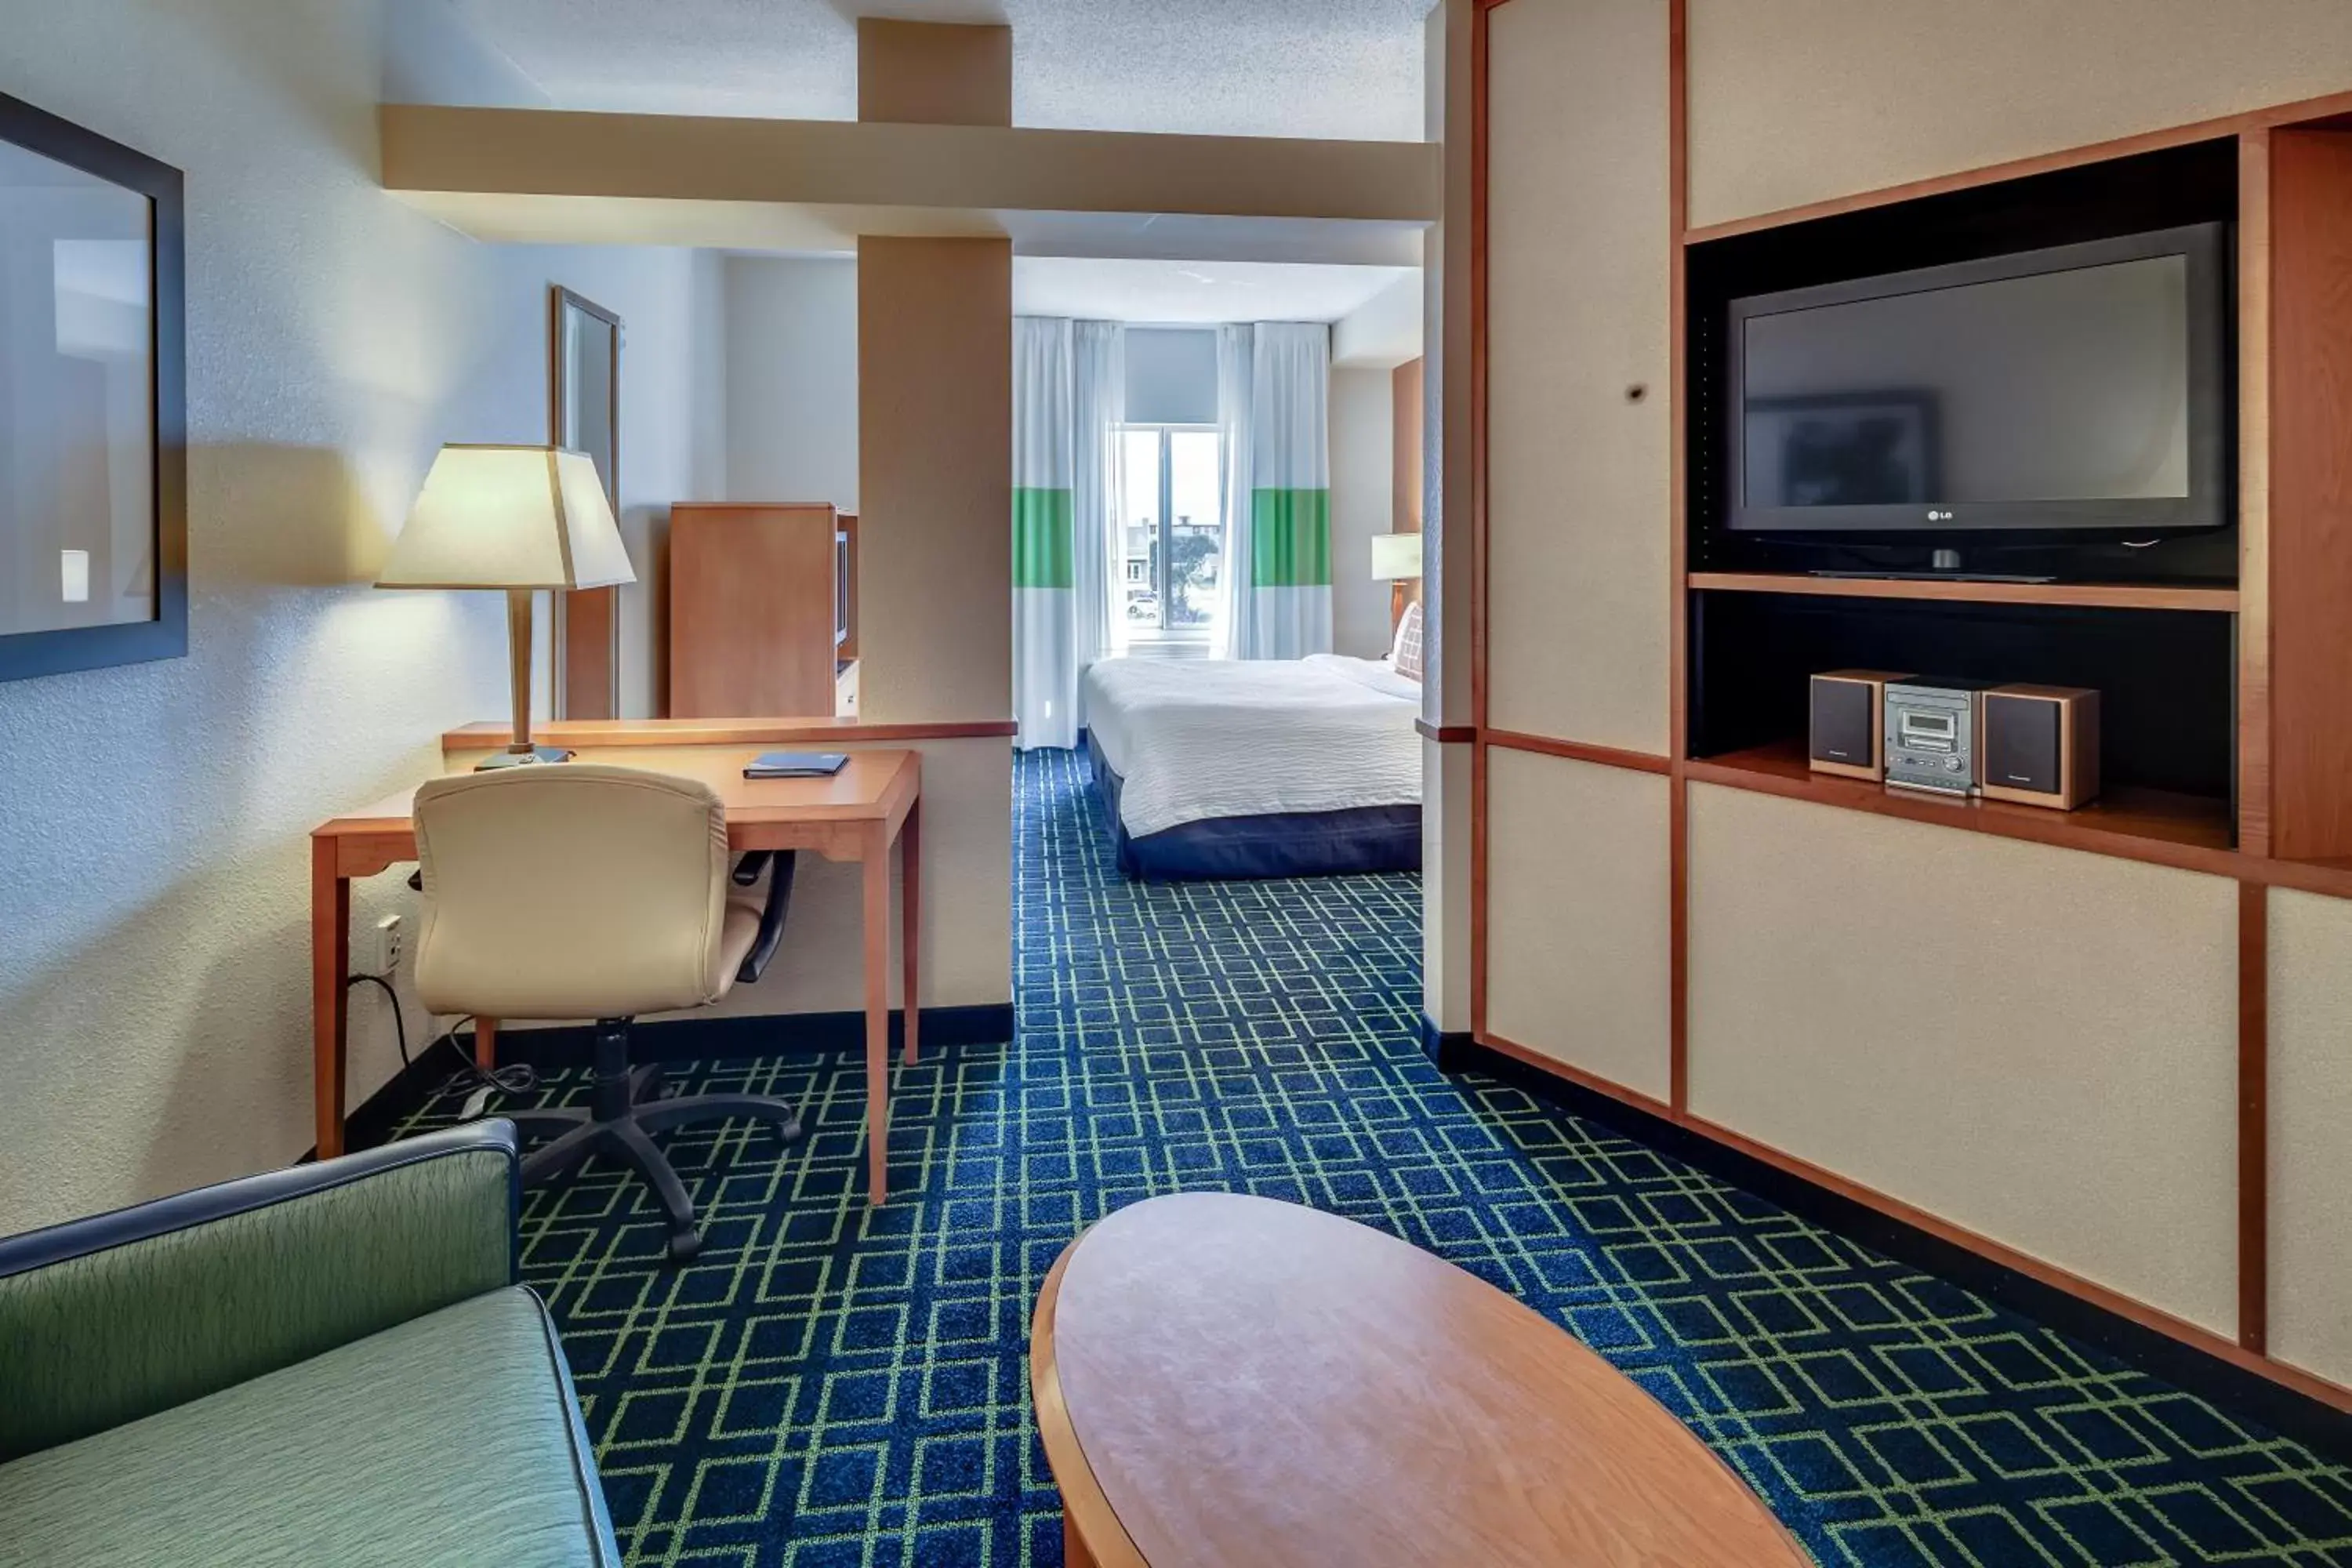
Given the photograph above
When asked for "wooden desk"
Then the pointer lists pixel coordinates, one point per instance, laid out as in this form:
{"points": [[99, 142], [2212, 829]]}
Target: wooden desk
{"points": [[1223, 1380], [853, 815]]}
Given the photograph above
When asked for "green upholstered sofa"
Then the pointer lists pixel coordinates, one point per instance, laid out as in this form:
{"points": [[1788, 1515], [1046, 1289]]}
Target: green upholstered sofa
{"points": [[332, 1364]]}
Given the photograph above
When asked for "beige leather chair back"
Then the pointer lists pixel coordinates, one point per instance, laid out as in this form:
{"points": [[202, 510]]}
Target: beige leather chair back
{"points": [[571, 891]]}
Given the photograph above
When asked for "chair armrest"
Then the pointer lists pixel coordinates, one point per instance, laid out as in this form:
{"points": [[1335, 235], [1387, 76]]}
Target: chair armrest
{"points": [[778, 865], [109, 1319]]}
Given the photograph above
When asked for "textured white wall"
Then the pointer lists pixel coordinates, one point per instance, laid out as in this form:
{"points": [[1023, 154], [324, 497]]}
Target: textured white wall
{"points": [[154, 1020], [1363, 499], [792, 379], [671, 303]]}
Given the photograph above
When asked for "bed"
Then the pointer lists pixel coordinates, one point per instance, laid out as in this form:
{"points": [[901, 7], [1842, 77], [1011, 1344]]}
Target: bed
{"points": [[1256, 767]]}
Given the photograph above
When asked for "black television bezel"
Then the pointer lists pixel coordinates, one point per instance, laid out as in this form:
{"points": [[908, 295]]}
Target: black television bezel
{"points": [[2208, 506]]}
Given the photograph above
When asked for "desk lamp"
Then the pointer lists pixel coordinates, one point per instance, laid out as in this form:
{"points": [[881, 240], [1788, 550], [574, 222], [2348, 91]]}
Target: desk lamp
{"points": [[1396, 561], [517, 518]]}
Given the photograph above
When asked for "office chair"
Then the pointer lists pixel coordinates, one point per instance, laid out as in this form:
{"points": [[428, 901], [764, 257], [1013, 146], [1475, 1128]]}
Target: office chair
{"points": [[583, 892]]}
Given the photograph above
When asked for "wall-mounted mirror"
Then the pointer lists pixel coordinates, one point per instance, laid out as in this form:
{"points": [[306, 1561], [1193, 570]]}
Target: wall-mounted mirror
{"points": [[93, 463], [584, 407]]}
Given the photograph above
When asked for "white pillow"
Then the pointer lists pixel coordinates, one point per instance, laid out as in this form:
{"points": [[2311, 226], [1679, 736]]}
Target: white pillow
{"points": [[1404, 654]]}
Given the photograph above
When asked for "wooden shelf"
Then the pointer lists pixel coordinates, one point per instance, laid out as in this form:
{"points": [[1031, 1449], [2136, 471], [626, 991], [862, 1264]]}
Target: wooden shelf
{"points": [[2097, 595], [2184, 830]]}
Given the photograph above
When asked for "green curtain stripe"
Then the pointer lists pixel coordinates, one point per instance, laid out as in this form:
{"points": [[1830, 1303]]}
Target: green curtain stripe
{"points": [[1290, 539], [1041, 537]]}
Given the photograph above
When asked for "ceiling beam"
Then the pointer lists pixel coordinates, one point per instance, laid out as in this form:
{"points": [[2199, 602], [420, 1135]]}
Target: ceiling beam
{"points": [[943, 168]]}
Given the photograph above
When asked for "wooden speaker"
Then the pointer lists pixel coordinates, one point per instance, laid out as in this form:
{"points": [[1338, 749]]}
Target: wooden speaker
{"points": [[2041, 745], [1848, 734]]}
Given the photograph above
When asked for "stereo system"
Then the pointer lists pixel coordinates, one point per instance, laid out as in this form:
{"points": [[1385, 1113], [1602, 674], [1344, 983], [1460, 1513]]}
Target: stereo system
{"points": [[2041, 745], [2037, 746], [1848, 733]]}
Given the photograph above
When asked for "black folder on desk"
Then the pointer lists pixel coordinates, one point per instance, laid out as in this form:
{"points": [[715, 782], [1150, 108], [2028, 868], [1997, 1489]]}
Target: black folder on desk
{"points": [[795, 765]]}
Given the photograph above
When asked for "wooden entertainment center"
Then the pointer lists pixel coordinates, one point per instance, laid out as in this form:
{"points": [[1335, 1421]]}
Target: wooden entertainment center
{"points": [[2225, 668]]}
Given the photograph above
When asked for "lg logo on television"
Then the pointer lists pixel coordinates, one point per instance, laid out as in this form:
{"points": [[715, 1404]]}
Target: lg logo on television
{"points": [[1934, 516]]}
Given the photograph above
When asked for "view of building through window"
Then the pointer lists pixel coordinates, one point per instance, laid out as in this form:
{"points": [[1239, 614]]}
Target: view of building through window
{"points": [[1172, 540]]}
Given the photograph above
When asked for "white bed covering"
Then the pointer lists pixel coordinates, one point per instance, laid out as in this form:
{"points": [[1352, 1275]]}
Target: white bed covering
{"points": [[1194, 739]]}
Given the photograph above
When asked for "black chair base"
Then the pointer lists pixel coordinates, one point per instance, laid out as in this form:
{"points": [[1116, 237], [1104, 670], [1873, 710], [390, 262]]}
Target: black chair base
{"points": [[625, 1109]]}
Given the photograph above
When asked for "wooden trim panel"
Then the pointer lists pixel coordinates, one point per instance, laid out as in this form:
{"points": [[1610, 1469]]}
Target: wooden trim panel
{"points": [[2255, 492], [2032, 1268], [2185, 831], [1446, 734], [2097, 595], [480, 736], [1577, 750], [2309, 532], [1479, 88], [2218, 1346], [2254, 1117], [1575, 1075], [2303, 111], [1679, 547]]}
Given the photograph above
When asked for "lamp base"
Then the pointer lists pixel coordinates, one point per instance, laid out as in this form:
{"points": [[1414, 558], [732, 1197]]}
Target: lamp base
{"points": [[523, 759]]}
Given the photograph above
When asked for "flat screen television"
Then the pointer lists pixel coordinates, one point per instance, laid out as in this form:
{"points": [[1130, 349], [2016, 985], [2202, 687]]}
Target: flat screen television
{"points": [[2082, 389]]}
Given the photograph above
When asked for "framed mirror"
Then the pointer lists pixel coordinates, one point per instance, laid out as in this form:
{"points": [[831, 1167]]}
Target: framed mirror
{"points": [[584, 414], [93, 400]]}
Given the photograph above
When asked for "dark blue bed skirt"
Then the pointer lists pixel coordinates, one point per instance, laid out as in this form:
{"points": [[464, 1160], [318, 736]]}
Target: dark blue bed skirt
{"points": [[1287, 843]]}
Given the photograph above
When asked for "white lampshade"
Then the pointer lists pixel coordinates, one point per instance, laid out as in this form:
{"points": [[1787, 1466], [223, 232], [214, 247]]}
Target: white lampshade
{"points": [[508, 517], [1395, 556]]}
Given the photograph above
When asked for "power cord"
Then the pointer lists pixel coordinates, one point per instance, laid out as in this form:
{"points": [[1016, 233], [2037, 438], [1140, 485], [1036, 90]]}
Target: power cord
{"points": [[515, 1078]]}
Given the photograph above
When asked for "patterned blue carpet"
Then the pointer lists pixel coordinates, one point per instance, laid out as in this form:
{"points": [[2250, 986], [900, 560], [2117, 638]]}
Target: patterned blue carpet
{"points": [[828, 1386]]}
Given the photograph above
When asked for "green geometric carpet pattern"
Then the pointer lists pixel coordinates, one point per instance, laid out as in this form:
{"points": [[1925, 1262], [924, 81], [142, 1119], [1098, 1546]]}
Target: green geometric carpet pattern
{"points": [[828, 1386]]}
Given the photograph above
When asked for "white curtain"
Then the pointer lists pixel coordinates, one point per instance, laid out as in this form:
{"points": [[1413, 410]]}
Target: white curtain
{"points": [[1067, 393], [1278, 545], [1236, 350], [1044, 638], [1097, 405]]}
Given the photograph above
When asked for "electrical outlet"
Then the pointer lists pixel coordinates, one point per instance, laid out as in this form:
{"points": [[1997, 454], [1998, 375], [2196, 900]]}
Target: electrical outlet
{"points": [[388, 944]]}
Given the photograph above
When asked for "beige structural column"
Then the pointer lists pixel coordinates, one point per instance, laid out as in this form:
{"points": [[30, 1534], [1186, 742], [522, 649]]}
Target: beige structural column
{"points": [[932, 73], [1449, 476], [934, 478], [935, 411]]}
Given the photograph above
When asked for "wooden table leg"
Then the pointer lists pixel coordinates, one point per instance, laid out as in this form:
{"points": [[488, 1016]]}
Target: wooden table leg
{"points": [[910, 916], [1073, 1549], [876, 864], [330, 954], [486, 1043]]}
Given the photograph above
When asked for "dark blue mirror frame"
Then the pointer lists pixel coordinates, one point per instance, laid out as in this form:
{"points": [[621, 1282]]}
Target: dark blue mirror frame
{"points": [[24, 655]]}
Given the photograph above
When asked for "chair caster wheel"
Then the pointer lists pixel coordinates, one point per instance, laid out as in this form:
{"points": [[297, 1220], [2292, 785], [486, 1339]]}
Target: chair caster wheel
{"points": [[684, 1245]]}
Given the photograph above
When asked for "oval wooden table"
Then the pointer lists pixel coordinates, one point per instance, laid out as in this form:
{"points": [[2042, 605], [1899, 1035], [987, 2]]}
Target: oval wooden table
{"points": [[1227, 1382]]}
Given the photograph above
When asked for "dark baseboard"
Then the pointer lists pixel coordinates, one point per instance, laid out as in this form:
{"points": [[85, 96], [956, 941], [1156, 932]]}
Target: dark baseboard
{"points": [[412, 1088], [1450, 1049], [2236, 1391]]}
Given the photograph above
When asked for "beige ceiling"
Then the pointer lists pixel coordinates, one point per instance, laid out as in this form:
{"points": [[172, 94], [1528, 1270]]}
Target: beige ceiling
{"points": [[1344, 68]]}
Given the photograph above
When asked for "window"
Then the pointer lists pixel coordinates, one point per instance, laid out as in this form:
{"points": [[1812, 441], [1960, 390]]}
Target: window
{"points": [[1172, 537]]}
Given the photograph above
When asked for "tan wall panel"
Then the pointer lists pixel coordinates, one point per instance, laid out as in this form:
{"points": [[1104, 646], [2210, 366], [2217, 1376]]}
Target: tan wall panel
{"points": [[2311, 1132], [1801, 101], [1578, 530], [935, 478], [1577, 914], [2037, 1044]]}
